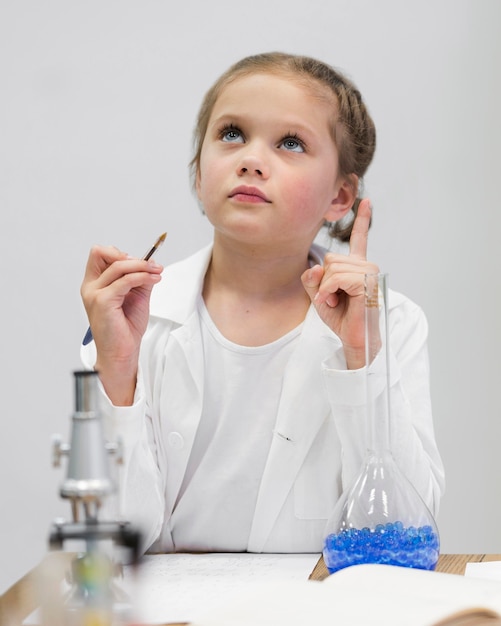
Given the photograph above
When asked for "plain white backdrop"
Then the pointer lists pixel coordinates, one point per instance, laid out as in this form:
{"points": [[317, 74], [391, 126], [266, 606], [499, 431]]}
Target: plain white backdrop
{"points": [[97, 105]]}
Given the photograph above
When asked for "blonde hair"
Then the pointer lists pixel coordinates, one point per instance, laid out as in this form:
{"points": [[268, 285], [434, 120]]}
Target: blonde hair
{"points": [[352, 130]]}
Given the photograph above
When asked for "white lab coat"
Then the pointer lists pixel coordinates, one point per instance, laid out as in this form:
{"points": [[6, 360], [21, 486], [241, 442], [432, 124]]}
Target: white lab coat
{"points": [[320, 431]]}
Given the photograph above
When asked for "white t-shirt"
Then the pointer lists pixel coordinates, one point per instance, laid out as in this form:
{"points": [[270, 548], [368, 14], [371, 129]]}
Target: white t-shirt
{"points": [[236, 420]]}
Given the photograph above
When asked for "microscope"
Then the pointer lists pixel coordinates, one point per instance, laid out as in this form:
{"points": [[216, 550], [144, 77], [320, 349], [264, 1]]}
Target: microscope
{"points": [[94, 598]]}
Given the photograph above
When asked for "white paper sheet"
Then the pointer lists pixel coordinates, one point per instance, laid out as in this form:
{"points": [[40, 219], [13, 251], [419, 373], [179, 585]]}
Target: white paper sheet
{"points": [[179, 587], [362, 595], [490, 570]]}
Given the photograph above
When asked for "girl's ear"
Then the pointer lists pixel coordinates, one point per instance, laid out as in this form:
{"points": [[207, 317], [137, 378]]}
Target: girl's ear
{"points": [[197, 183], [344, 200]]}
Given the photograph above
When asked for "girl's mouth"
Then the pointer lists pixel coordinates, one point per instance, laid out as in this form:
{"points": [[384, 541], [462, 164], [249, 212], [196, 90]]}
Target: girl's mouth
{"points": [[248, 194]]}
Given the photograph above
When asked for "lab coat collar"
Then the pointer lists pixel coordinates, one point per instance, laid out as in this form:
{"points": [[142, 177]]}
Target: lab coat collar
{"points": [[187, 278]]}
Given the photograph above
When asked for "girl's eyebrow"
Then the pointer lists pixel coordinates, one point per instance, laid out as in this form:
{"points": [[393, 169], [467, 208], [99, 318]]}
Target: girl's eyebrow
{"points": [[225, 117]]}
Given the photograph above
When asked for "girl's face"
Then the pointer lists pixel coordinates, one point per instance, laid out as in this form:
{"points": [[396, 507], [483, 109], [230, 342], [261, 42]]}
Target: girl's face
{"points": [[268, 170]]}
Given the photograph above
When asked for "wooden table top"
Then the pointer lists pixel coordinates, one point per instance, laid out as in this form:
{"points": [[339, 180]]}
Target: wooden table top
{"points": [[20, 600]]}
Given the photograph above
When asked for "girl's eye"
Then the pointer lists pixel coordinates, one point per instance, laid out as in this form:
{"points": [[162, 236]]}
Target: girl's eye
{"points": [[293, 144], [231, 135]]}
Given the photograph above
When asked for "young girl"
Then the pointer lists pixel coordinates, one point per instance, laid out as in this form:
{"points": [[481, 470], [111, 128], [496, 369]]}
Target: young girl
{"points": [[237, 384]]}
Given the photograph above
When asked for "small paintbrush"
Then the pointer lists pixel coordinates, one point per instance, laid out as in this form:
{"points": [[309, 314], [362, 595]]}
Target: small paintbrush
{"points": [[88, 335]]}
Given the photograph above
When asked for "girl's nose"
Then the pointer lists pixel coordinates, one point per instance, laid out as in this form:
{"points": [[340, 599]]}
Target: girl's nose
{"points": [[253, 166]]}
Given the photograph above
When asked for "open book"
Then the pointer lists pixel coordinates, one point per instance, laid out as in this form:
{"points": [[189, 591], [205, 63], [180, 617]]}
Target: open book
{"points": [[364, 595]]}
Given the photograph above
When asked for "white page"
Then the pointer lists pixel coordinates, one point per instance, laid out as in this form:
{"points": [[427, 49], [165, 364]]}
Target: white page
{"points": [[361, 595], [490, 570], [178, 587]]}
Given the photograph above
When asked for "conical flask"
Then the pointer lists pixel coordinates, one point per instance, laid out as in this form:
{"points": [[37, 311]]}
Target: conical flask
{"points": [[381, 518]]}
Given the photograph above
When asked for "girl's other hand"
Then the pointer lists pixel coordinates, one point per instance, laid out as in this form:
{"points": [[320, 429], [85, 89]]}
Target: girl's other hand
{"points": [[337, 289]]}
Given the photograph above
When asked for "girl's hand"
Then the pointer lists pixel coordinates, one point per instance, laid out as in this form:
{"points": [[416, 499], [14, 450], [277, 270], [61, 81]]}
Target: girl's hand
{"points": [[337, 289], [116, 293]]}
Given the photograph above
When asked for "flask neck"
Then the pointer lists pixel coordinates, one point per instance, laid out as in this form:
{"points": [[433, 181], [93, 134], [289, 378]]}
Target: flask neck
{"points": [[377, 362]]}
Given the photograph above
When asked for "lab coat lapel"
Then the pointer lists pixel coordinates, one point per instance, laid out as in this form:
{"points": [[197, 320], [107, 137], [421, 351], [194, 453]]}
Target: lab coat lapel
{"points": [[175, 299], [184, 400], [302, 411]]}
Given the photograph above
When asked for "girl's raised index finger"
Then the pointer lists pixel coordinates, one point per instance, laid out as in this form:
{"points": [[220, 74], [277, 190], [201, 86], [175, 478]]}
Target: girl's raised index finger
{"points": [[360, 230]]}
